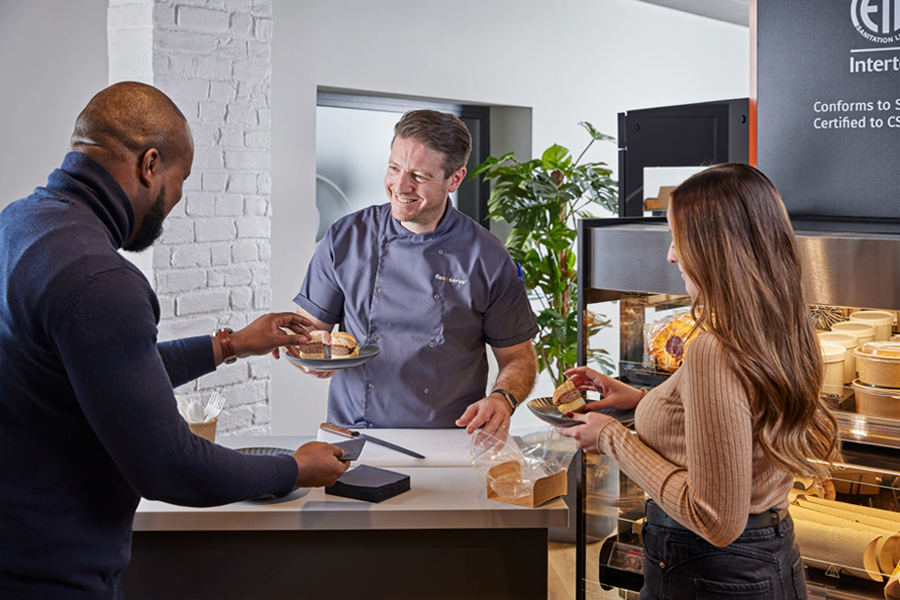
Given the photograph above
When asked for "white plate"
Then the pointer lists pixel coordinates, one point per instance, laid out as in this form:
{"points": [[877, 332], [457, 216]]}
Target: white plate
{"points": [[545, 410], [366, 353]]}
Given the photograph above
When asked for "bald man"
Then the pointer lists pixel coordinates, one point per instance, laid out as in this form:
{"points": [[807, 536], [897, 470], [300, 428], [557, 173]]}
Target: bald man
{"points": [[88, 417]]}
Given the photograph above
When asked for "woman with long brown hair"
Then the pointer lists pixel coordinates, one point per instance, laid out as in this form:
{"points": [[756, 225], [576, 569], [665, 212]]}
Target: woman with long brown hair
{"points": [[719, 443]]}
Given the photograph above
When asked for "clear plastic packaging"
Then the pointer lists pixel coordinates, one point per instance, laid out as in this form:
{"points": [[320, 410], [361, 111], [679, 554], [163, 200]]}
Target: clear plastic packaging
{"points": [[528, 469]]}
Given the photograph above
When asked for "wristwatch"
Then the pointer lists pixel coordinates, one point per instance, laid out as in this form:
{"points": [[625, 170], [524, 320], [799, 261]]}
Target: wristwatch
{"points": [[224, 336], [510, 398]]}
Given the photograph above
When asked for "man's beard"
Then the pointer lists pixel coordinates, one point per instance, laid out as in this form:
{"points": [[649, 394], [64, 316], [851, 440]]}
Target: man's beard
{"points": [[151, 226]]}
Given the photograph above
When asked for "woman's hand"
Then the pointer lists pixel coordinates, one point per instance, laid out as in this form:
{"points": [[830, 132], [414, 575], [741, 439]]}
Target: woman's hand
{"points": [[615, 393], [585, 435]]}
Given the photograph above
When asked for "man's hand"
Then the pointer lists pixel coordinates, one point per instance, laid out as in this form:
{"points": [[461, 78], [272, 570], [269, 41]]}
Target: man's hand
{"points": [[317, 373], [267, 334], [318, 464], [492, 412], [317, 325]]}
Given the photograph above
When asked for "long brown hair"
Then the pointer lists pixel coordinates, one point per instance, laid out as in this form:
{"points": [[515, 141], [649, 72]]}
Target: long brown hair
{"points": [[734, 239]]}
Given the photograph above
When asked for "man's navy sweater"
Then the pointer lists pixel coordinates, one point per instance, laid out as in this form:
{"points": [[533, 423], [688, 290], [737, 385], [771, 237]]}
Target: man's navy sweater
{"points": [[88, 418]]}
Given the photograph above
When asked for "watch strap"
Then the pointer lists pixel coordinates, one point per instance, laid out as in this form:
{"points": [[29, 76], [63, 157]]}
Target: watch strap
{"points": [[224, 336], [509, 397]]}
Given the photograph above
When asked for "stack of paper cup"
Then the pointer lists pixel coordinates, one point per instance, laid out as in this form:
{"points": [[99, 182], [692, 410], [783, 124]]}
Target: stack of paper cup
{"points": [[849, 342], [883, 321], [864, 330], [833, 356]]}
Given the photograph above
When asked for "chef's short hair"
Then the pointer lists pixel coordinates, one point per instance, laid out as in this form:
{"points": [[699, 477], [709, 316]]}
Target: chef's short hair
{"points": [[440, 132]]}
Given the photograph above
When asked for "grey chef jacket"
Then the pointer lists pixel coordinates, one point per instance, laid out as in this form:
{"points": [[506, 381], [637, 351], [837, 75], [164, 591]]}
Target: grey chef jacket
{"points": [[430, 301]]}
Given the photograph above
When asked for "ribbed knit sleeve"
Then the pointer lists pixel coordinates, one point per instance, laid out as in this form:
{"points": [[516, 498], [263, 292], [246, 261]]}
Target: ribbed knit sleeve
{"points": [[694, 453]]}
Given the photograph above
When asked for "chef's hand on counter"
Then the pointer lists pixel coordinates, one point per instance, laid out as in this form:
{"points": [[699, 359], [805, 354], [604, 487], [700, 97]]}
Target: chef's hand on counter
{"points": [[318, 464], [266, 334], [492, 412], [615, 393]]}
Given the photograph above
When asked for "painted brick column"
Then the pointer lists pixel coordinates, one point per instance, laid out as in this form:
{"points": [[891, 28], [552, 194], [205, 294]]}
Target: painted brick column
{"points": [[210, 268]]}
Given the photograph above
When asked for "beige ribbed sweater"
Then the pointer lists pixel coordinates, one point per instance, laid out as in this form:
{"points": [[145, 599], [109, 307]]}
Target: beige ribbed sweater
{"points": [[694, 452]]}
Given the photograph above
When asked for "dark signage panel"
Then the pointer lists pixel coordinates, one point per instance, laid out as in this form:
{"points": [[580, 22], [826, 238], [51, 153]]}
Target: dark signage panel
{"points": [[828, 105]]}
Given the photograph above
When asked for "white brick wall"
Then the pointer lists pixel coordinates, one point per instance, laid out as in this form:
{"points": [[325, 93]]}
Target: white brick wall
{"points": [[211, 266]]}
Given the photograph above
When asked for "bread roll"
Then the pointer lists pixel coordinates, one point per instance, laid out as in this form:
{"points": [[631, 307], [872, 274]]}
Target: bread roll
{"points": [[576, 406], [566, 393], [568, 399], [313, 349], [343, 345]]}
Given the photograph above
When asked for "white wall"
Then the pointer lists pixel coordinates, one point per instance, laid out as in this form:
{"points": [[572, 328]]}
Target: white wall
{"points": [[568, 61], [52, 61]]}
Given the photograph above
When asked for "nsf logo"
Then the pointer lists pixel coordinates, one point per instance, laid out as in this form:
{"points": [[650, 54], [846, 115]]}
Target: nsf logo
{"points": [[877, 20]]}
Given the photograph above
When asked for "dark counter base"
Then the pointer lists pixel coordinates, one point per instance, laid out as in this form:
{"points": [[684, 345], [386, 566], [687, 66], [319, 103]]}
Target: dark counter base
{"points": [[370, 565]]}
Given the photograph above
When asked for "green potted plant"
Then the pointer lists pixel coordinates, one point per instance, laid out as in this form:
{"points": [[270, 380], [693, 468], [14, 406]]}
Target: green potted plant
{"points": [[542, 199]]}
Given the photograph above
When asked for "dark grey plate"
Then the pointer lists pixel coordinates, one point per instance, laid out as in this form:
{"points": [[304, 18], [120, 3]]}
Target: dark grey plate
{"points": [[352, 449], [545, 410], [366, 353], [264, 451]]}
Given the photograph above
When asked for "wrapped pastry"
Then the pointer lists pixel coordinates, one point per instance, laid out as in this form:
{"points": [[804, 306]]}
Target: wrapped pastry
{"points": [[668, 340]]}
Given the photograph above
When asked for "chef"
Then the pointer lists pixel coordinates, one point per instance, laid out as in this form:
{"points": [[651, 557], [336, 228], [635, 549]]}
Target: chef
{"points": [[430, 287]]}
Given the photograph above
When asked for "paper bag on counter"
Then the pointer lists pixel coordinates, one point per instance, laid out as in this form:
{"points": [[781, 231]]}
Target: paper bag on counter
{"points": [[524, 470]]}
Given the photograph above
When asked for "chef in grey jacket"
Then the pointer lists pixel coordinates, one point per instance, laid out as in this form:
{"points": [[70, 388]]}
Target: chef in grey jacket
{"points": [[430, 287]]}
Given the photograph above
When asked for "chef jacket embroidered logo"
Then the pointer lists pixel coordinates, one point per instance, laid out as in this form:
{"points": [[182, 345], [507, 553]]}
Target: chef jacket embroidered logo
{"points": [[877, 20], [451, 279]]}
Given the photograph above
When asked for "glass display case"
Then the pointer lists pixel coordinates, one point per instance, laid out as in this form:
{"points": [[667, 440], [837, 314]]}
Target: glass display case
{"points": [[624, 276]]}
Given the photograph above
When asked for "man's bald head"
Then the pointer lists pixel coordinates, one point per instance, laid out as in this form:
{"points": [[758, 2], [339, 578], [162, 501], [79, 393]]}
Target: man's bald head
{"points": [[127, 119]]}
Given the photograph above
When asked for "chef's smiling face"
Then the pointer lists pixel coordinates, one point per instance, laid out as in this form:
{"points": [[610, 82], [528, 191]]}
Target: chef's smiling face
{"points": [[416, 185]]}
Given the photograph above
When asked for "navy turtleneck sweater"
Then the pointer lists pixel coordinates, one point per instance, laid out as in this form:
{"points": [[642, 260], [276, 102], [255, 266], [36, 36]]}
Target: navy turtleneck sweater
{"points": [[88, 418]]}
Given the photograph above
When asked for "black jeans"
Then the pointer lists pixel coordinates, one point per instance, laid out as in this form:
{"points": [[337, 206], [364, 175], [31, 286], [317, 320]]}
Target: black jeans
{"points": [[761, 564]]}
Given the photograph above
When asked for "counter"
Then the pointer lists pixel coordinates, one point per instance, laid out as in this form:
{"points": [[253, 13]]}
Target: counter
{"points": [[442, 539]]}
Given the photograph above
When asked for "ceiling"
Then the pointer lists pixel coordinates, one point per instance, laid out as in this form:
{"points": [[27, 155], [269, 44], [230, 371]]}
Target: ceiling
{"points": [[732, 11]]}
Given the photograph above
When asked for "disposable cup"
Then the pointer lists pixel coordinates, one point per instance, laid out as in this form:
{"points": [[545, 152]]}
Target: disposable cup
{"points": [[849, 342], [206, 430], [883, 321]]}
